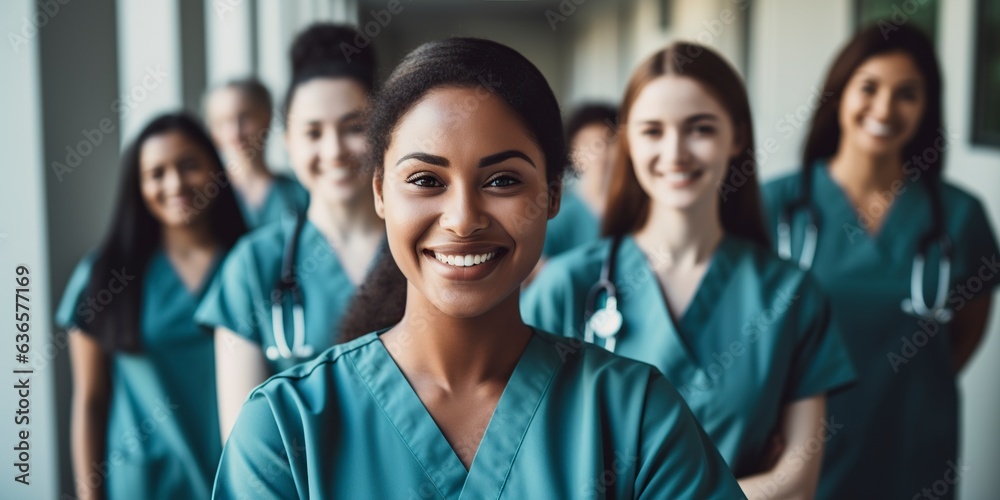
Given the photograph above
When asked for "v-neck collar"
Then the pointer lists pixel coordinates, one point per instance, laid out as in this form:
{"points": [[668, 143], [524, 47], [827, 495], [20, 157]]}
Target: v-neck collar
{"points": [[206, 279], [252, 214], [416, 427], [911, 204], [682, 363]]}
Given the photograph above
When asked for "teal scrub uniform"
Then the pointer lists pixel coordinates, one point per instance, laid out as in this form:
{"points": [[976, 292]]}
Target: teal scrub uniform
{"points": [[756, 336], [574, 225], [573, 422], [240, 300], [163, 427], [285, 199], [899, 431]]}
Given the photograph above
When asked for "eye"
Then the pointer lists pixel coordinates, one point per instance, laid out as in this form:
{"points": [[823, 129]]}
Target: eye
{"points": [[651, 132], [314, 134], [704, 129], [503, 181], [354, 128], [908, 94], [868, 89], [424, 180]]}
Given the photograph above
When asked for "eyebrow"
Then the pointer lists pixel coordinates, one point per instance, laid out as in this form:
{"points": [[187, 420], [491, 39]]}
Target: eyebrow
{"points": [[873, 77], [486, 161], [343, 119], [690, 119]]}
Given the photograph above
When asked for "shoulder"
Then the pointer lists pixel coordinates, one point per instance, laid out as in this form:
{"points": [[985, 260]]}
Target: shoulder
{"points": [[267, 241], [313, 379], [784, 186], [567, 269], [589, 364], [960, 201]]}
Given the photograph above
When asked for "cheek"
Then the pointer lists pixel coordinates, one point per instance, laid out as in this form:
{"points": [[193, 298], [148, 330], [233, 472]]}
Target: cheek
{"points": [[302, 154], [356, 145]]}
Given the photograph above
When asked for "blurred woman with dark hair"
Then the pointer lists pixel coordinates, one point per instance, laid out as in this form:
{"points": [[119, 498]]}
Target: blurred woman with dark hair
{"points": [[889, 240], [238, 114], [452, 395], [686, 280], [143, 412], [284, 287]]}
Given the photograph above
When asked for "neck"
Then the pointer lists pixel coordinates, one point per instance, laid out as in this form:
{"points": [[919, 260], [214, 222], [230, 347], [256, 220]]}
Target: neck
{"points": [[184, 239], [245, 173], [458, 352], [859, 172], [338, 221], [681, 237]]}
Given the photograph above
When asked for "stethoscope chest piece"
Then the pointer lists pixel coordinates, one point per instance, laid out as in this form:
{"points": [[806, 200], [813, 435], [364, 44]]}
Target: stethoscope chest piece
{"points": [[607, 322]]}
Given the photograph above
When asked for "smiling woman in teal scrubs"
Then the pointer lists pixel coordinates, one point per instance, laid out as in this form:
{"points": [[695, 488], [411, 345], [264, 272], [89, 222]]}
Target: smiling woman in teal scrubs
{"points": [[872, 171], [239, 117], [456, 397], [744, 336], [143, 411], [336, 241]]}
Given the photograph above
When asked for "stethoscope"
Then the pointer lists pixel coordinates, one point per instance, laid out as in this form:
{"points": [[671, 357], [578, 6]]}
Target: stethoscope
{"points": [[288, 285], [606, 322], [915, 304]]}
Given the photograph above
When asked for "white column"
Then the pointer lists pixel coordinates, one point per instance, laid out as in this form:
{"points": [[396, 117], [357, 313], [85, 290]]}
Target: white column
{"points": [[150, 71], [229, 39]]}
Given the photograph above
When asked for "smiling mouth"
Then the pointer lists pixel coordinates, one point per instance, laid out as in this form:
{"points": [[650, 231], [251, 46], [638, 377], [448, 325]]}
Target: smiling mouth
{"points": [[878, 129], [465, 260]]}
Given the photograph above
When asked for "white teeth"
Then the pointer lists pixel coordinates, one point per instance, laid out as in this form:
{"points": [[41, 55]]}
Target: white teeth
{"points": [[877, 128], [680, 176], [464, 260]]}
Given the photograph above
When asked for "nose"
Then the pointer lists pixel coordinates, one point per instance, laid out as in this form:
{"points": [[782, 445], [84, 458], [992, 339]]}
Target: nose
{"points": [[463, 215], [172, 181], [331, 148], [882, 106], [673, 149]]}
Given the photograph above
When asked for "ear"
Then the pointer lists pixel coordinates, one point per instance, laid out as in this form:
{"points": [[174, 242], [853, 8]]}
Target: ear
{"points": [[379, 203], [555, 198]]}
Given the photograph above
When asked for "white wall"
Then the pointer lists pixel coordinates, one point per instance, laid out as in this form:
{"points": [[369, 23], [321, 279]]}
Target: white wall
{"points": [[23, 242]]}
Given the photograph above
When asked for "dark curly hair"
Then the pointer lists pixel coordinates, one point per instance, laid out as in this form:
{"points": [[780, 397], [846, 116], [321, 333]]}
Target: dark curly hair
{"points": [[456, 62], [325, 50]]}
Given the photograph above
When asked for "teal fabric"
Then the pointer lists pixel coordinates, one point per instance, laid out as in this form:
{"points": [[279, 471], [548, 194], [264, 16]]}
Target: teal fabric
{"points": [[163, 428], [285, 199], [574, 225], [240, 300], [573, 422], [756, 336], [899, 429]]}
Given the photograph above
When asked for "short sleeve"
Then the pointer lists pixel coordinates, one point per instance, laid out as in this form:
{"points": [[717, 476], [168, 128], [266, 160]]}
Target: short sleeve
{"points": [[73, 311], [544, 302], [821, 362], [977, 263], [255, 461], [233, 300], [677, 458]]}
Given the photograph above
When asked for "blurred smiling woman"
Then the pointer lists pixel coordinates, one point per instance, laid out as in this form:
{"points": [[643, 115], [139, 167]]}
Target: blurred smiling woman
{"points": [[453, 395], [282, 291], [746, 337], [139, 358]]}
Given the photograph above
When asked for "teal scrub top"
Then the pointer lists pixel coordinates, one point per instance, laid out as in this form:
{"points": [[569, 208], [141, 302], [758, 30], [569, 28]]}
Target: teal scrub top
{"points": [[898, 429], [285, 199], [240, 299], [573, 422], [574, 225], [163, 437], [756, 336]]}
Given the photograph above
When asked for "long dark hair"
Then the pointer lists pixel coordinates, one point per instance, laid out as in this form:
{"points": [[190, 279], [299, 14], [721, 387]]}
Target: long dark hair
{"points": [[325, 50], [455, 62], [741, 210], [824, 132], [134, 234]]}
